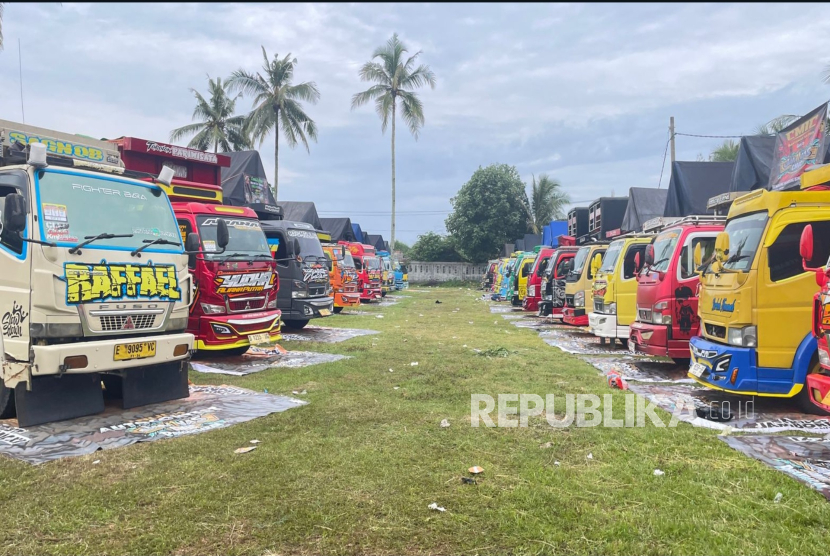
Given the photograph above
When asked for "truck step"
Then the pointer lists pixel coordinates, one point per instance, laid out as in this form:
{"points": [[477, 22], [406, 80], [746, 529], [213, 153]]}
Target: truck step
{"points": [[58, 398]]}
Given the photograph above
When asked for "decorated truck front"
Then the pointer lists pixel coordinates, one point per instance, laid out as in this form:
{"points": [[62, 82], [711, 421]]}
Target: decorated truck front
{"points": [[667, 287], [368, 271], [342, 275], [534, 280], [95, 286], [553, 282], [387, 277], [578, 283], [756, 297]]}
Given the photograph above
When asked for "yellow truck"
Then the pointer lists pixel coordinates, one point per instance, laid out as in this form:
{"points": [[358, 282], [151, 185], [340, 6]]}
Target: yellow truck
{"points": [[756, 295], [614, 290], [578, 284]]}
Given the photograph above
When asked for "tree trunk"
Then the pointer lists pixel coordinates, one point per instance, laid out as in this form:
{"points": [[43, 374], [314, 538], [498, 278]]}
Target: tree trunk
{"points": [[276, 152], [392, 241]]}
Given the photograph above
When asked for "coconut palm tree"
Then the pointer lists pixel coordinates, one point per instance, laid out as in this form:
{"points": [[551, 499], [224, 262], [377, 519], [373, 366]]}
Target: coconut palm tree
{"points": [[726, 152], [277, 105], [1, 25], [395, 79], [776, 124], [216, 126], [546, 202]]}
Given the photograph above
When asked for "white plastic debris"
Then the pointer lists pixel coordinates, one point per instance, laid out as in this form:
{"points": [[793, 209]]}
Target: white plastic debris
{"points": [[96, 462], [557, 463], [379, 316], [420, 315], [778, 498], [590, 456], [659, 473], [444, 423], [255, 441], [395, 387], [465, 345], [436, 507], [413, 364], [391, 371], [471, 322]]}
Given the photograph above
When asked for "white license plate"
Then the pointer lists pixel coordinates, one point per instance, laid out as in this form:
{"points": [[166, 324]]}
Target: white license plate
{"points": [[631, 347], [324, 312], [697, 369], [255, 339]]}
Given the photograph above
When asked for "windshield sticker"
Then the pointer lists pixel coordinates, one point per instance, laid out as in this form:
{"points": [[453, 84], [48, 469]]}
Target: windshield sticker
{"points": [[54, 213], [302, 233], [108, 191], [722, 305], [103, 282], [210, 245], [238, 224], [155, 232], [231, 283], [315, 274], [59, 231]]}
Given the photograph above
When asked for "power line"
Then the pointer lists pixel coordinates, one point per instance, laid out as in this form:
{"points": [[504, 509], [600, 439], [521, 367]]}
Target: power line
{"points": [[663, 166], [709, 136]]}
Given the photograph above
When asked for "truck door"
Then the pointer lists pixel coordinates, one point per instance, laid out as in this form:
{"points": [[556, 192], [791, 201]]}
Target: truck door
{"points": [[627, 287], [284, 269], [15, 280], [685, 321]]}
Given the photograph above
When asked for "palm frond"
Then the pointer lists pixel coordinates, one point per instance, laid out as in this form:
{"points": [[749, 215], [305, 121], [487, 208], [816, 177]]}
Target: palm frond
{"points": [[247, 83], [383, 107], [185, 131], [418, 78], [412, 111], [372, 93], [372, 71], [304, 91]]}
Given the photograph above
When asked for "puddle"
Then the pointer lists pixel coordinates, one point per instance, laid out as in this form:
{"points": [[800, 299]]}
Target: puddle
{"points": [[207, 408], [386, 302], [580, 341], [635, 369], [505, 309], [804, 458], [259, 359], [325, 334], [349, 313]]}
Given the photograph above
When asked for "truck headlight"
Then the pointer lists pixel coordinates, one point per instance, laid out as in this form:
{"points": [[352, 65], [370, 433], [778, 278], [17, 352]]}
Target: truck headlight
{"points": [[658, 314], [579, 299], [272, 304], [299, 289], [823, 358], [210, 309], [743, 337], [611, 309], [531, 291]]}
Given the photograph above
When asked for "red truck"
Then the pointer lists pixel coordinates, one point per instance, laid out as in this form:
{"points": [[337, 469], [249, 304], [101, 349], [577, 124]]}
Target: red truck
{"points": [[369, 271], [553, 282], [534, 281], [667, 286]]}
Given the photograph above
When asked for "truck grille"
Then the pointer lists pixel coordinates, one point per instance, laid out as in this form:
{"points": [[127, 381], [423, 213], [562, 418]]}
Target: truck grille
{"points": [[598, 306], [113, 323], [643, 315], [314, 291], [350, 288], [243, 304], [716, 330], [569, 300]]}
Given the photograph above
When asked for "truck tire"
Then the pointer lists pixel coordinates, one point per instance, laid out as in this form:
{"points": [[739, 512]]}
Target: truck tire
{"points": [[6, 402], [684, 362], [295, 324], [803, 400], [338, 310]]}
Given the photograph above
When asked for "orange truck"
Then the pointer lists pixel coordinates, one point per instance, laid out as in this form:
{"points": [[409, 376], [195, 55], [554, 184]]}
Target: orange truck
{"points": [[342, 275]]}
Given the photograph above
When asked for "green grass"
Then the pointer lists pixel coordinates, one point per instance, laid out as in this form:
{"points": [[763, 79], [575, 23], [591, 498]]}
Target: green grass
{"points": [[354, 471]]}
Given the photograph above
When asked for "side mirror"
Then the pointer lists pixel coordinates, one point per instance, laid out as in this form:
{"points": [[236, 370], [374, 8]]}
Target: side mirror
{"points": [[295, 247], [222, 236], [805, 246], [698, 256], [637, 262], [14, 213], [649, 255], [192, 245], [328, 264], [721, 246], [596, 262]]}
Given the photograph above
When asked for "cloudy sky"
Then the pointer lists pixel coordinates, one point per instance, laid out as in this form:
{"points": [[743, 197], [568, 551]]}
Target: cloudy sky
{"points": [[582, 92]]}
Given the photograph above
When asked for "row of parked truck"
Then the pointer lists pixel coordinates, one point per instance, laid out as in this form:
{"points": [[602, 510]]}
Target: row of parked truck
{"points": [[121, 258], [743, 298]]}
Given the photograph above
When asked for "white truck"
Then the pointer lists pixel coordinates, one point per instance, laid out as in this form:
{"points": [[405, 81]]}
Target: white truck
{"points": [[94, 283]]}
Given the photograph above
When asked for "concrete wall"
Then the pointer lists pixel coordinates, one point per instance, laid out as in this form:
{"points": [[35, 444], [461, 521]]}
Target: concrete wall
{"points": [[442, 272]]}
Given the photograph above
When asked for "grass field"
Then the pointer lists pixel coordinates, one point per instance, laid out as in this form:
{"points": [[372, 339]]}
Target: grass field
{"points": [[354, 471]]}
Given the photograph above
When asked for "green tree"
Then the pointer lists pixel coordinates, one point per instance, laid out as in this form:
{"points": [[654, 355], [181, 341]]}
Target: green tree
{"points": [[726, 152], [546, 202], [277, 105], [395, 79], [488, 211], [432, 247], [402, 247], [776, 124], [217, 126]]}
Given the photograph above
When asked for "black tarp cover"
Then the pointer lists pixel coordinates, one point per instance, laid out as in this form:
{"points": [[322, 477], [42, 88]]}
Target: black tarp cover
{"points": [[694, 183], [752, 167], [531, 241], [301, 211], [375, 241], [236, 189], [339, 228], [519, 245], [644, 203]]}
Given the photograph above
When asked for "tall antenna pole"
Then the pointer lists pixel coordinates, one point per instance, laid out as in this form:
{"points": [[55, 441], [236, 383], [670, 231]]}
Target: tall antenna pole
{"points": [[671, 137], [20, 62]]}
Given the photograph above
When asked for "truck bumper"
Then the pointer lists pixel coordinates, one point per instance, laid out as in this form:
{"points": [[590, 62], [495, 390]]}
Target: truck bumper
{"points": [[304, 309], [605, 326], [232, 331], [530, 304], [574, 317], [653, 340], [342, 299], [100, 354], [370, 294], [734, 369]]}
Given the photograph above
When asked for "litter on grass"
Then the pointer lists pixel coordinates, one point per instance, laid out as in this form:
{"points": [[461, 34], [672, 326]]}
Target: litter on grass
{"points": [[444, 423], [658, 473], [475, 470], [244, 450], [436, 507]]}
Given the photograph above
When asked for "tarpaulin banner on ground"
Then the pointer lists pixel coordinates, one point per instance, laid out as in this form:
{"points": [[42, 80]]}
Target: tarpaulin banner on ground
{"points": [[797, 146]]}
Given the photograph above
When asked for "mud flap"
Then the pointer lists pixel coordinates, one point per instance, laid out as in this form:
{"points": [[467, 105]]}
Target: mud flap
{"points": [[819, 390], [154, 384], [58, 398]]}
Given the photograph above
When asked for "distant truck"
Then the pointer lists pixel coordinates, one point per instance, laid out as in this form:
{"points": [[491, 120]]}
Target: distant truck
{"points": [[95, 286], [579, 283], [553, 282], [342, 275], [369, 273]]}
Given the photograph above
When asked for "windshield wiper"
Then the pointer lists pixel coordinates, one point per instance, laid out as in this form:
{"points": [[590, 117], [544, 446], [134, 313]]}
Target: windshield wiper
{"points": [[89, 239], [151, 242]]}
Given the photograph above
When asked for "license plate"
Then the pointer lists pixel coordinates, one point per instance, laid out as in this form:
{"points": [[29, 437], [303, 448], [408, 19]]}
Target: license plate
{"points": [[136, 350], [255, 339], [697, 369], [632, 347], [324, 312]]}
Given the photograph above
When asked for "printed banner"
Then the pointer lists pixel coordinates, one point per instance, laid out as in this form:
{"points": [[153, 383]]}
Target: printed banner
{"points": [[256, 190], [110, 282], [797, 146]]}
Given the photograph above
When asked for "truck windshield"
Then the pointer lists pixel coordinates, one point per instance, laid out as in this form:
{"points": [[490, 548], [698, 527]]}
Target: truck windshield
{"points": [[579, 260], [246, 237], [611, 256], [73, 206], [744, 237], [372, 263], [663, 248], [310, 247], [348, 260]]}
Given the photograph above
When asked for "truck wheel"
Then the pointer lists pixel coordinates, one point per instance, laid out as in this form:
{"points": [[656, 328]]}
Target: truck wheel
{"points": [[803, 398], [681, 362], [623, 342], [6, 402], [295, 324], [383, 294], [515, 301], [338, 310]]}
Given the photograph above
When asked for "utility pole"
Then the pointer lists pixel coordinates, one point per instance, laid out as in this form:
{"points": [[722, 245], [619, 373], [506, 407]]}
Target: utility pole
{"points": [[671, 137]]}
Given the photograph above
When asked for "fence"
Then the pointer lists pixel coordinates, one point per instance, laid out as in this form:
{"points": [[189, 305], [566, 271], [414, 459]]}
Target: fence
{"points": [[443, 272]]}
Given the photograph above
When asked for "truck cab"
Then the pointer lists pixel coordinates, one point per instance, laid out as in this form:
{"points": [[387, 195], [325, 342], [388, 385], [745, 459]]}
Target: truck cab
{"points": [[615, 288], [667, 287], [578, 283], [756, 298], [519, 282], [508, 275], [95, 287], [342, 275], [553, 282], [369, 272], [401, 276], [534, 280], [387, 277], [305, 291]]}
